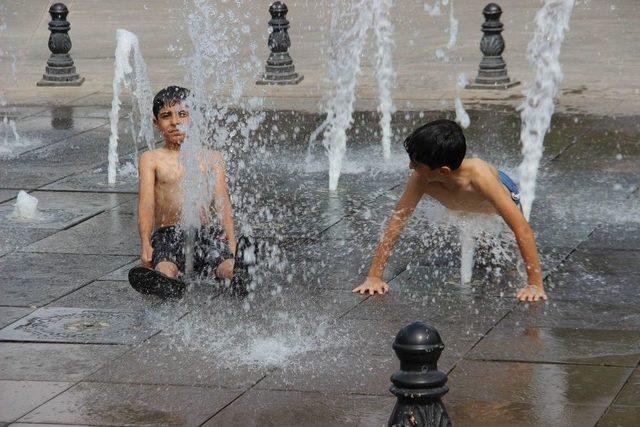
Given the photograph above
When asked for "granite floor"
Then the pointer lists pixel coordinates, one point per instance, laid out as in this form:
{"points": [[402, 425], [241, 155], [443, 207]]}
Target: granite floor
{"points": [[80, 347]]}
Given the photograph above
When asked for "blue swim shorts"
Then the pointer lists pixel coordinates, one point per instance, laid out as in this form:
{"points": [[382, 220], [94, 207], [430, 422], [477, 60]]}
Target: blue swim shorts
{"points": [[511, 186]]}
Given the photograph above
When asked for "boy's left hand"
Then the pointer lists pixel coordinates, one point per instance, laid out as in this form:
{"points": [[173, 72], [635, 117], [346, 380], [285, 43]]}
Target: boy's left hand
{"points": [[532, 293]]}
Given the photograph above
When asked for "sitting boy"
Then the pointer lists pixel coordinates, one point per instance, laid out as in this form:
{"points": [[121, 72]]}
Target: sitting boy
{"points": [[159, 210], [436, 153]]}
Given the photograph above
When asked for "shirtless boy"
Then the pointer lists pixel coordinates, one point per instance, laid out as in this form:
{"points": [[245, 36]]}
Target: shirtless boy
{"points": [[159, 211], [436, 153]]}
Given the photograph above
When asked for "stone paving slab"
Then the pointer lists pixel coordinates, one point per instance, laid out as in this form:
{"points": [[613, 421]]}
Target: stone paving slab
{"points": [[334, 372], [577, 314], [289, 408], [107, 295], [535, 382], [560, 345], [618, 416], [603, 262], [132, 404], [58, 210], [7, 195], [625, 236], [119, 240], [122, 273], [82, 326], [21, 397], [54, 362], [39, 278], [630, 393], [14, 239], [9, 315], [173, 365], [487, 413]]}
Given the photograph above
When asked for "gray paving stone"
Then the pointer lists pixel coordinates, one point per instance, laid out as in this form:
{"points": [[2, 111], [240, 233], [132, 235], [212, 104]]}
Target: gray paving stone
{"points": [[6, 195], [334, 372], [122, 273], [288, 408], [536, 383], [112, 232], [132, 404], [9, 315], [560, 345], [60, 210], [31, 279], [630, 394], [491, 413], [82, 326], [54, 362], [603, 262], [13, 239], [21, 397], [620, 416], [581, 285], [625, 236], [159, 364], [107, 295], [579, 314], [43, 131]]}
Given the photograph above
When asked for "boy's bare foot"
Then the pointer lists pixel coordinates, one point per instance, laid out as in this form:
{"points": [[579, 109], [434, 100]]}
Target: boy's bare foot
{"points": [[372, 285], [532, 293]]}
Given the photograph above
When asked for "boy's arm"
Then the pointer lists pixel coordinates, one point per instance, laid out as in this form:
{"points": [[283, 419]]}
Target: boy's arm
{"points": [[401, 214], [490, 186], [222, 201], [146, 206]]}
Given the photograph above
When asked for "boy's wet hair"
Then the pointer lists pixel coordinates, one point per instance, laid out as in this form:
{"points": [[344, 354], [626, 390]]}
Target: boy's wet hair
{"points": [[436, 144], [168, 97]]}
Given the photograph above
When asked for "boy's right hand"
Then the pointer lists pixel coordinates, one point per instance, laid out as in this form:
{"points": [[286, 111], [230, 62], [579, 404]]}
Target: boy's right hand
{"points": [[146, 255], [372, 285]]}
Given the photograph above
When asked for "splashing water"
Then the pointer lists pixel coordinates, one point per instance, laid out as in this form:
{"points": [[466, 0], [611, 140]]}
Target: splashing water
{"points": [[10, 139], [130, 71], [433, 10], [453, 28], [543, 54], [344, 68], [220, 119], [383, 29], [461, 115], [26, 207]]}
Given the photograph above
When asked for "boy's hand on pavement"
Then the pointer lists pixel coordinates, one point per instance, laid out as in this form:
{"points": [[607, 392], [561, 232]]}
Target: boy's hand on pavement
{"points": [[146, 255], [532, 293], [372, 285]]}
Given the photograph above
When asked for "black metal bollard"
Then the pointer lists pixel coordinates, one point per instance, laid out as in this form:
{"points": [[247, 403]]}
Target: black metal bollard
{"points": [[279, 69], [60, 70], [418, 384], [492, 73]]}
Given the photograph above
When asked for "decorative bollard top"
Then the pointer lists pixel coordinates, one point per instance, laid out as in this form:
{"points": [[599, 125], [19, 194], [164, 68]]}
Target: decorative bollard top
{"points": [[492, 12], [418, 346], [58, 12], [418, 384]]}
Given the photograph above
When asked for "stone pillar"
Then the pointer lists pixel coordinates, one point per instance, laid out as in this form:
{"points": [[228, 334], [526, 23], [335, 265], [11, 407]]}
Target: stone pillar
{"points": [[279, 69], [418, 384], [60, 70], [492, 73]]}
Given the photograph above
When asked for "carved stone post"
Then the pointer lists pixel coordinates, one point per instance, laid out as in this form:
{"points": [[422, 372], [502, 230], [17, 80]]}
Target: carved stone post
{"points": [[279, 69], [418, 384], [492, 73], [60, 70]]}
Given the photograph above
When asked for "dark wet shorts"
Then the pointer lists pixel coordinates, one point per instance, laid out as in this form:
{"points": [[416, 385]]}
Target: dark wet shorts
{"points": [[511, 186], [211, 248]]}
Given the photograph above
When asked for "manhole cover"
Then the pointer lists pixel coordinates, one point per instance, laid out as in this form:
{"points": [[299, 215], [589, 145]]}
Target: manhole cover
{"points": [[80, 325]]}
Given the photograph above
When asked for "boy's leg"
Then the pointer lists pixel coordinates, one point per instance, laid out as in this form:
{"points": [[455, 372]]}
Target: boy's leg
{"points": [[225, 269], [168, 268]]}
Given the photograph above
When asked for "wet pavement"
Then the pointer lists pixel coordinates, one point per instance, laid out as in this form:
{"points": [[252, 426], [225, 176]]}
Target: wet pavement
{"points": [[80, 347]]}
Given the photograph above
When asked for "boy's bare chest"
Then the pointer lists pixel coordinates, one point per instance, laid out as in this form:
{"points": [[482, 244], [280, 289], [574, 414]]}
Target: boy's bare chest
{"points": [[169, 173]]}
